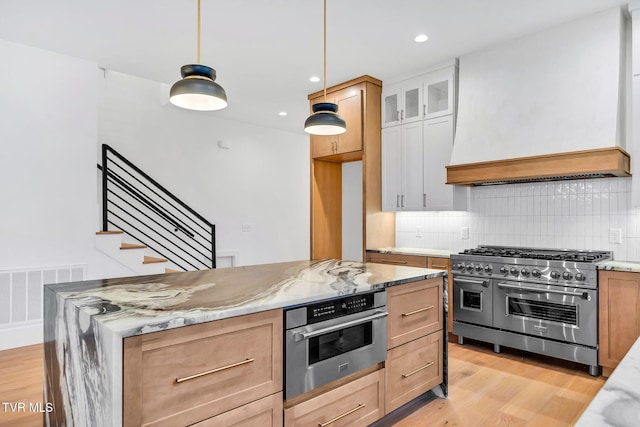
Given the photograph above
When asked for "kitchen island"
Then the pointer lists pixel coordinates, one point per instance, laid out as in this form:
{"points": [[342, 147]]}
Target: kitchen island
{"points": [[86, 323]]}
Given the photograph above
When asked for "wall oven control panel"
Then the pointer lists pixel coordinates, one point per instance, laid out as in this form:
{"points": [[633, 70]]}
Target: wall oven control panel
{"points": [[332, 309]]}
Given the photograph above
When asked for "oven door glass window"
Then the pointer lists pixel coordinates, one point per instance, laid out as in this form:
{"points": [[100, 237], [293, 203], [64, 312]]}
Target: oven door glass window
{"points": [[543, 310], [339, 342], [471, 300]]}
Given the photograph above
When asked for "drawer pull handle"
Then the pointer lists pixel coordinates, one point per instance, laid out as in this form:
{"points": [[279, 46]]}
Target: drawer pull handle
{"points": [[213, 371], [420, 310], [393, 261], [417, 370], [333, 420], [441, 267]]}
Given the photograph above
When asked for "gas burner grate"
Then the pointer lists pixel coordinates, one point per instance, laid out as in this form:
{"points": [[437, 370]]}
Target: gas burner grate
{"points": [[542, 254]]}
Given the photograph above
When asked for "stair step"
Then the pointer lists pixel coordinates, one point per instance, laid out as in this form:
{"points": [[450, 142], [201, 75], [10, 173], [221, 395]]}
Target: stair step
{"points": [[171, 270], [109, 232], [124, 246], [152, 260]]}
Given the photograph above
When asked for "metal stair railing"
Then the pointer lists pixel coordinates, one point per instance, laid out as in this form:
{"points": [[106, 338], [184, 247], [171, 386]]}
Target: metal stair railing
{"points": [[136, 204]]}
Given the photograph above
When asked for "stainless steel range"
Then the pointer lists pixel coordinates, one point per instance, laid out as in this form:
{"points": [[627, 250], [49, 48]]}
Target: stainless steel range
{"points": [[539, 300]]}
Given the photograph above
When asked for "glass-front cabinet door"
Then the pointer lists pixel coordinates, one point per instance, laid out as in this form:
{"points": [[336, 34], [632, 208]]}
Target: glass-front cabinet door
{"points": [[411, 101], [439, 93], [391, 106]]}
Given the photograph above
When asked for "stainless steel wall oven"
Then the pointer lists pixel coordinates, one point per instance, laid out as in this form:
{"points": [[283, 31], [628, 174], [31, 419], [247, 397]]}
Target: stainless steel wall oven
{"points": [[331, 339], [540, 300]]}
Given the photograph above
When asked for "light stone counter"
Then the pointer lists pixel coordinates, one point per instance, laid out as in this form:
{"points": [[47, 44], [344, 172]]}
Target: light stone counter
{"points": [[85, 322], [628, 266], [439, 253], [618, 401]]}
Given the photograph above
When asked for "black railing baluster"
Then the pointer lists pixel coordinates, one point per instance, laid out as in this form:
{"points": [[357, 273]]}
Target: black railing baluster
{"points": [[146, 204]]}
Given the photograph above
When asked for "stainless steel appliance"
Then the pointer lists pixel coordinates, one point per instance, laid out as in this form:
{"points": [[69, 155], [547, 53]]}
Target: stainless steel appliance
{"points": [[539, 300], [331, 339]]}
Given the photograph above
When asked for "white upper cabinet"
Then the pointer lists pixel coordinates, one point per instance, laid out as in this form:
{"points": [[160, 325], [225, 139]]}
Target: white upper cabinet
{"points": [[438, 145], [439, 93], [424, 97], [417, 142], [402, 103]]}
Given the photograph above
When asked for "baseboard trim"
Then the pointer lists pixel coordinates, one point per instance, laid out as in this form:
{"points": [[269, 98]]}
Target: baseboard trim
{"points": [[21, 336]]}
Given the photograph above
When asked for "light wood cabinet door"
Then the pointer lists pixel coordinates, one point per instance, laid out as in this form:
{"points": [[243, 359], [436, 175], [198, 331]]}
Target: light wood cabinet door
{"points": [[619, 324], [266, 412], [355, 404], [412, 369], [349, 103], [185, 375], [415, 309], [397, 259]]}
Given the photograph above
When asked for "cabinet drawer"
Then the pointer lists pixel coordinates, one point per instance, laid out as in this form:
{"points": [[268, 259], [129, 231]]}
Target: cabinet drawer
{"points": [[407, 260], [266, 412], [412, 369], [439, 263], [358, 403], [185, 375], [415, 310]]}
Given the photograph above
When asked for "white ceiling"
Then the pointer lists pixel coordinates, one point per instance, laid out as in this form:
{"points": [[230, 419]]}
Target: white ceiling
{"points": [[264, 51]]}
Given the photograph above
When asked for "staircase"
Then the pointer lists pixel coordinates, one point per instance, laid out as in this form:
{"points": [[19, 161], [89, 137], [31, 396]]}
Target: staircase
{"points": [[145, 227], [134, 256]]}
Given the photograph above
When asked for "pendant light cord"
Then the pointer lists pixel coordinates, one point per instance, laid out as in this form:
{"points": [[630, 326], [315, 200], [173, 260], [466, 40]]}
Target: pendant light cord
{"points": [[199, 32], [325, 50]]}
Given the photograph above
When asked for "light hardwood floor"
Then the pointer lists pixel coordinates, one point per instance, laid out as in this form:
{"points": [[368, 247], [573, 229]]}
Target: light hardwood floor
{"points": [[485, 389]]}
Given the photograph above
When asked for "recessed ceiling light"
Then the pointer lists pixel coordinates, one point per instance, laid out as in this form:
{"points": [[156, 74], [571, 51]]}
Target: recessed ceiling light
{"points": [[283, 113], [314, 79], [421, 38]]}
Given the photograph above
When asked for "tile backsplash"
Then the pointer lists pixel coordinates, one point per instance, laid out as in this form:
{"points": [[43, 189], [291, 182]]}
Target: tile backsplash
{"points": [[575, 214]]}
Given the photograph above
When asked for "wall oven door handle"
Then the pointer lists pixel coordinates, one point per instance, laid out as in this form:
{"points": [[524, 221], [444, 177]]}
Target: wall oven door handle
{"points": [[583, 295], [484, 283], [306, 335]]}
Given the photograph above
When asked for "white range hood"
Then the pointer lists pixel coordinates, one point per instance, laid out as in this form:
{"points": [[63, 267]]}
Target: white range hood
{"points": [[524, 102]]}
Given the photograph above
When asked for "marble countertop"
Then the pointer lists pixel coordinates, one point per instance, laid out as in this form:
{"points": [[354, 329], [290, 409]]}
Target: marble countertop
{"points": [[440, 253], [138, 305], [618, 401], [629, 266]]}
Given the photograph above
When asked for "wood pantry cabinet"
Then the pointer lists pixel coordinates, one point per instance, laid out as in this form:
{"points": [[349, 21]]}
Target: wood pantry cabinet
{"points": [[206, 373], [349, 101], [415, 341], [359, 104], [619, 310]]}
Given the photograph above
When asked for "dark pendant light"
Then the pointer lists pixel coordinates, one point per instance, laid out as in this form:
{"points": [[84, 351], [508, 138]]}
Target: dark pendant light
{"points": [[198, 90], [325, 119]]}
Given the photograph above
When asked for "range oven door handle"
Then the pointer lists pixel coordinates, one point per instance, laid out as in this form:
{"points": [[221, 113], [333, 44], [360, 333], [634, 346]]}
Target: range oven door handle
{"points": [[484, 283], [583, 295], [306, 335]]}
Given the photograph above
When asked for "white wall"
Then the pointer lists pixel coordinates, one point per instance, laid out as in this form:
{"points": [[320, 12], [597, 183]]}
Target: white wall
{"points": [[47, 166], [261, 180], [575, 214], [352, 211]]}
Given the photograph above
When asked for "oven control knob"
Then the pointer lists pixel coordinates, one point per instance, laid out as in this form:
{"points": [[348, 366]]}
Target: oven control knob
{"points": [[555, 275], [536, 273], [460, 266], [566, 275], [479, 268], [514, 271], [488, 268], [504, 270], [470, 267], [524, 272], [581, 277]]}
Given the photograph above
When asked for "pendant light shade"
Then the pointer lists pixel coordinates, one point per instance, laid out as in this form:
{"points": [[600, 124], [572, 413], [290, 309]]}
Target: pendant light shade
{"points": [[325, 119], [198, 90]]}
